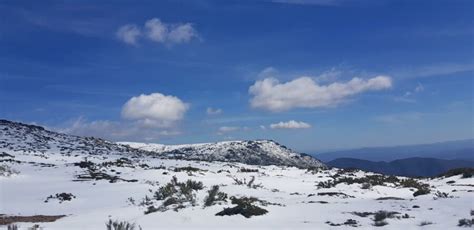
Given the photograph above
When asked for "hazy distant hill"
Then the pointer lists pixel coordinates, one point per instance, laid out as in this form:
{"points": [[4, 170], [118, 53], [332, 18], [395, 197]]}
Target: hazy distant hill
{"points": [[414, 166], [462, 149]]}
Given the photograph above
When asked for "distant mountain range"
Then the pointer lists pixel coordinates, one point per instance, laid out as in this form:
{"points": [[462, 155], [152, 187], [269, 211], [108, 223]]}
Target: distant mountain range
{"points": [[450, 150], [415, 166]]}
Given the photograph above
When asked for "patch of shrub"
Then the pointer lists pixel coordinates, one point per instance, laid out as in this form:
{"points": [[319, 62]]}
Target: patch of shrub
{"points": [[422, 188], [120, 225], [175, 193], [244, 206], [61, 197], [187, 169], [12, 227], [7, 171], [465, 172], [214, 196], [247, 170], [465, 222], [343, 195], [424, 223]]}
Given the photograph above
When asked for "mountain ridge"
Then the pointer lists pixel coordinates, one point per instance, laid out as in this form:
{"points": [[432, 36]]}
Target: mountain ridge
{"points": [[32, 138], [413, 167]]}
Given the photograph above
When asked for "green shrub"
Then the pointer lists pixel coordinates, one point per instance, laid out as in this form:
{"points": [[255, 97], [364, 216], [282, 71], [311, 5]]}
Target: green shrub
{"points": [[244, 206], [214, 196], [120, 225]]}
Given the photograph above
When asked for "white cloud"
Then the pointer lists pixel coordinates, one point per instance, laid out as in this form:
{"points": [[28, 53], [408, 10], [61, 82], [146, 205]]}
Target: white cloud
{"points": [[267, 72], [212, 111], [155, 110], [182, 33], [304, 92], [227, 129], [262, 127], [157, 31], [419, 88], [129, 34], [290, 125]]}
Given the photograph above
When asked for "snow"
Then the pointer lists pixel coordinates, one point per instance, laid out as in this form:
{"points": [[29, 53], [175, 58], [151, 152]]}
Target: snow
{"points": [[97, 201]]}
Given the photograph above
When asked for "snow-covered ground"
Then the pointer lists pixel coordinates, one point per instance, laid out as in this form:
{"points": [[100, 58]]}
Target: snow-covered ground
{"points": [[92, 181], [295, 190]]}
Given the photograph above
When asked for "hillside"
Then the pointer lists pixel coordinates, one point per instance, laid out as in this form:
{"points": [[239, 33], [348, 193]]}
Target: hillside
{"points": [[450, 150], [259, 152], [415, 167]]}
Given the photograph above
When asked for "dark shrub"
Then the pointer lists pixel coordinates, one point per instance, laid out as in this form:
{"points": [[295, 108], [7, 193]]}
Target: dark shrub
{"points": [[214, 196], [120, 225], [466, 172], [465, 223], [244, 206]]}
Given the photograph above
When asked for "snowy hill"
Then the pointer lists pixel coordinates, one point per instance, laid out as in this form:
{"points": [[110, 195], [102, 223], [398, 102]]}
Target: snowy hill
{"points": [[56, 181], [260, 152], [19, 137]]}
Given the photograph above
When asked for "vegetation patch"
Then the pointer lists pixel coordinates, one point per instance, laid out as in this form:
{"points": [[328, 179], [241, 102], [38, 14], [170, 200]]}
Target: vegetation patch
{"points": [[214, 196], [174, 194], [120, 225], [5, 220], [7, 171], [338, 194], [244, 206], [61, 197], [465, 172]]}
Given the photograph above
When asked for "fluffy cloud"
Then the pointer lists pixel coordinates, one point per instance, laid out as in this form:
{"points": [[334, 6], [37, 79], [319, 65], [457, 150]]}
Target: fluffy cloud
{"points": [[129, 34], [304, 92], [227, 129], [157, 31], [155, 110], [212, 111], [290, 125]]}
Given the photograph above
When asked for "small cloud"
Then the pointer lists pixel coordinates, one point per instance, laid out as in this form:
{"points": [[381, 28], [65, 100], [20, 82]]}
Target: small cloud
{"points": [[157, 31], [408, 96], [304, 92], [129, 34], [419, 88], [262, 127], [291, 125], [227, 129], [155, 110], [212, 111]]}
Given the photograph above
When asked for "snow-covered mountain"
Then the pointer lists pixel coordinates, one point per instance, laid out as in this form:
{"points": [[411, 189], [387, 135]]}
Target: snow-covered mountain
{"points": [[259, 152], [21, 137], [56, 181], [31, 138]]}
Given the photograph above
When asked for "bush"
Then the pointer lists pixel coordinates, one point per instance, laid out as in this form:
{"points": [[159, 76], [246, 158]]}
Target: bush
{"points": [[465, 172], [187, 169], [246, 170], [214, 196], [465, 223], [61, 197], [120, 225], [175, 193], [423, 223], [7, 171], [244, 206], [12, 227]]}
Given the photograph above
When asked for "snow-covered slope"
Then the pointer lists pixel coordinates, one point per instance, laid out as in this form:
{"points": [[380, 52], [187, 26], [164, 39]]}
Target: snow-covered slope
{"points": [[19, 137], [83, 187], [259, 152]]}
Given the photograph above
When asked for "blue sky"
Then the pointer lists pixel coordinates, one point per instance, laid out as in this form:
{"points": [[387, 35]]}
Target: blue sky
{"points": [[311, 74]]}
